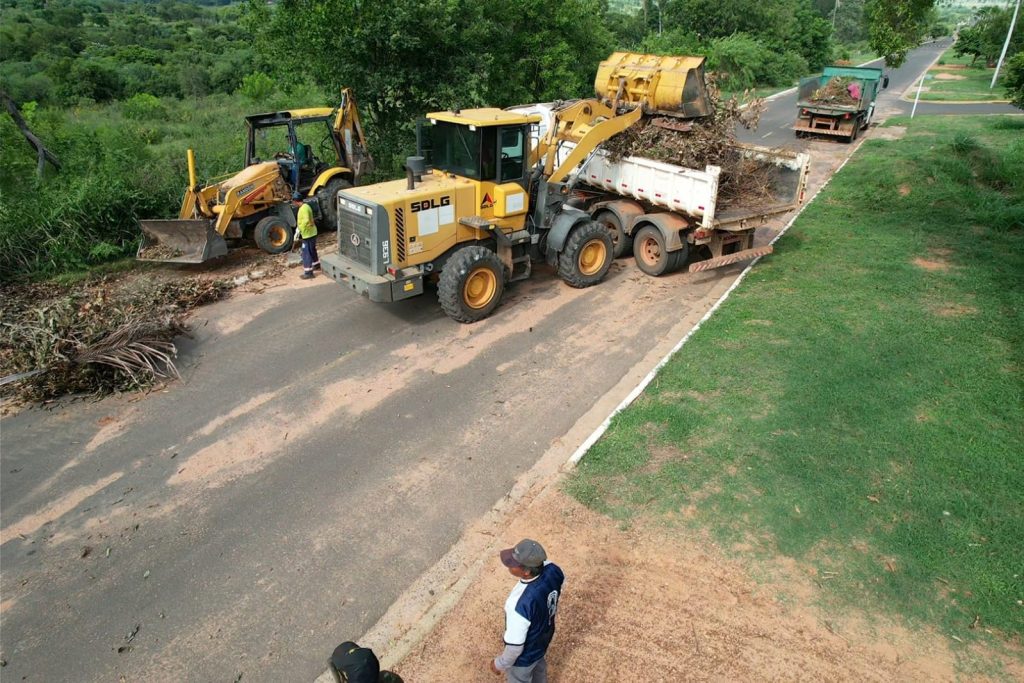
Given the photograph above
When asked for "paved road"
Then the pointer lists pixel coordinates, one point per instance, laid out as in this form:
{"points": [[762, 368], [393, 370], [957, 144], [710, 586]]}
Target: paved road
{"points": [[775, 129], [320, 454]]}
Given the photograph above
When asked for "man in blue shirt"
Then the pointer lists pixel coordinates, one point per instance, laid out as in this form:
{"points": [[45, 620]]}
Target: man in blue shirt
{"points": [[529, 613]]}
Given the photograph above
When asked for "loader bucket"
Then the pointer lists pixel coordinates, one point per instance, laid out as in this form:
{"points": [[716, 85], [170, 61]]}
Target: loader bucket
{"points": [[180, 241], [671, 86]]}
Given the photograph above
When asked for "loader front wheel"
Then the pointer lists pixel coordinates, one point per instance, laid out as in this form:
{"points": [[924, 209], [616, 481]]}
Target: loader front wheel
{"points": [[273, 235], [621, 242], [471, 284], [651, 254], [587, 255]]}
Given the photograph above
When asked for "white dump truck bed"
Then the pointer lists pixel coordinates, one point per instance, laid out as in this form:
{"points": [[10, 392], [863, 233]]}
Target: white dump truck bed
{"points": [[694, 192]]}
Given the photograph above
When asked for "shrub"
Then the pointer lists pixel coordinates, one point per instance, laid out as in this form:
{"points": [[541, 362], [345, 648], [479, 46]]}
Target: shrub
{"points": [[143, 106], [257, 86]]}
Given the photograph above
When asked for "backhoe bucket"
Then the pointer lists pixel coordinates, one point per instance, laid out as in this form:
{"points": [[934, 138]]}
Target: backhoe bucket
{"points": [[671, 86], [180, 241]]}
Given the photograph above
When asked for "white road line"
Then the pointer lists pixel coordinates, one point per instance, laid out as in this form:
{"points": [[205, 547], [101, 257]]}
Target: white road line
{"points": [[768, 133]]}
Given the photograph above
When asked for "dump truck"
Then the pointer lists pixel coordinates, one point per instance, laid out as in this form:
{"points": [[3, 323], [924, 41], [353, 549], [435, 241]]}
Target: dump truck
{"points": [[669, 215], [486, 197], [839, 102], [314, 152]]}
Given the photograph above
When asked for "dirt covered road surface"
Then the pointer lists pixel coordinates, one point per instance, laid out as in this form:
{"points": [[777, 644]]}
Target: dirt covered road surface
{"points": [[660, 604]]}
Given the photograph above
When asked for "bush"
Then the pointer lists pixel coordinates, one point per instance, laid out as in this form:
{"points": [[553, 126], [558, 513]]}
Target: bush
{"points": [[257, 86], [737, 60], [142, 106]]}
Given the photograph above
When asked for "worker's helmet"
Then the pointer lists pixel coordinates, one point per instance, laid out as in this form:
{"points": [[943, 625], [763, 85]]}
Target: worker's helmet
{"points": [[297, 197]]}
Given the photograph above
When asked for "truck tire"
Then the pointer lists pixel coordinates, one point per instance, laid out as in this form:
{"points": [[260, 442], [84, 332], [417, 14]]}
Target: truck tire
{"points": [[471, 284], [853, 133], [327, 197], [651, 254], [587, 255], [622, 243], [273, 235]]}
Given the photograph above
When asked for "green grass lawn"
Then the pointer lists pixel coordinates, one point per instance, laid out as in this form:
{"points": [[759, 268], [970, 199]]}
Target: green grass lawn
{"points": [[972, 84], [858, 403]]}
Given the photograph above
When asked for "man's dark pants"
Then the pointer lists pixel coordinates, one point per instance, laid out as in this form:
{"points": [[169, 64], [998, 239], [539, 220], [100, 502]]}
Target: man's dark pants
{"points": [[310, 259]]}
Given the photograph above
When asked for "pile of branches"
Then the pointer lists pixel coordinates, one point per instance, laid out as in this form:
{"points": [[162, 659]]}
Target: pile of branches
{"points": [[836, 91], [104, 336], [710, 141]]}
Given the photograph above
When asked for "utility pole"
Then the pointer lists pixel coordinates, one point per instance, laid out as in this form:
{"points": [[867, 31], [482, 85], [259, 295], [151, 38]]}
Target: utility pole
{"points": [[835, 8], [1006, 45]]}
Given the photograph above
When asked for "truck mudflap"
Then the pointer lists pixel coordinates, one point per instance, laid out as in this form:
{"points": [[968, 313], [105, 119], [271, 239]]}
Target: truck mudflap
{"points": [[405, 284], [180, 241], [728, 259]]}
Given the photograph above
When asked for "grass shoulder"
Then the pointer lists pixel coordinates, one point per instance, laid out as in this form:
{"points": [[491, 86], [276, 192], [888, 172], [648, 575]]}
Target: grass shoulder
{"points": [[857, 403], [959, 79]]}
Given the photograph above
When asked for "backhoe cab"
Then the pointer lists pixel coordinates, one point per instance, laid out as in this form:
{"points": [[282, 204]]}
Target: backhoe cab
{"points": [[315, 152], [487, 194]]}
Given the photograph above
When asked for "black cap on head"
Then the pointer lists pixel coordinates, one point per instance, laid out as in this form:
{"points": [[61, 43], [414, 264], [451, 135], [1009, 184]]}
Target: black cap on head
{"points": [[527, 553], [356, 664]]}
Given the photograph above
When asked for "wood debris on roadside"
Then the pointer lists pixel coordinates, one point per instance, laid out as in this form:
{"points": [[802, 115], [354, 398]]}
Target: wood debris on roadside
{"points": [[710, 141], [102, 336]]}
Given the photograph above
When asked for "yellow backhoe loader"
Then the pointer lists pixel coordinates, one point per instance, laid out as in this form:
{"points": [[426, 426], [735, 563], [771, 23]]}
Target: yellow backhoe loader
{"points": [[495, 197], [313, 152]]}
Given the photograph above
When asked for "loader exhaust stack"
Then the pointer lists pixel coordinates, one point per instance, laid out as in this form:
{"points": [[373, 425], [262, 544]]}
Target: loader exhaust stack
{"points": [[669, 86]]}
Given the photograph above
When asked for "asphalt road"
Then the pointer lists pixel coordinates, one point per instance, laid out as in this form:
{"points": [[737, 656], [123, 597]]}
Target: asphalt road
{"points": [[319, 455], [775, 126]]}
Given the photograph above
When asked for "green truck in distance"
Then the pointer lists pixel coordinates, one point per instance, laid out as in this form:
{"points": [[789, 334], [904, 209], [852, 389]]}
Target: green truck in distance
{"points": [[839, 102]]}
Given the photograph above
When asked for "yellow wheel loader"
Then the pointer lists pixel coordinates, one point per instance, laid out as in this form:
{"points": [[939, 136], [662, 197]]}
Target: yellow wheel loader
{"points": [[312, 152], [487, 195]]}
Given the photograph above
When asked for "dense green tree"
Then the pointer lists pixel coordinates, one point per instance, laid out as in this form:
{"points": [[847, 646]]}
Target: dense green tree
{"points": [[408, 57], [985, 37], [896, 26], [1013, 80]]}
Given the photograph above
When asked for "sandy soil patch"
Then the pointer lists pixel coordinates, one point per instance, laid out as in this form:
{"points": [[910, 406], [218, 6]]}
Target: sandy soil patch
{"points": [[949, 77], [931, 265], [888, 133], [675, 609], [58, 508], [904, 190]]}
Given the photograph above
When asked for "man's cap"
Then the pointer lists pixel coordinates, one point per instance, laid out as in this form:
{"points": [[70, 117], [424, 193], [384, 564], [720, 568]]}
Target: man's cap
{"points": [[297, 197], [526, 553], [355, 664]]}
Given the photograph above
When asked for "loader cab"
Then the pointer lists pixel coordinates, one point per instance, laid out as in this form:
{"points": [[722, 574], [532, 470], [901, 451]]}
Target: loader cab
{"points": [[486, 145], [305, 134]]}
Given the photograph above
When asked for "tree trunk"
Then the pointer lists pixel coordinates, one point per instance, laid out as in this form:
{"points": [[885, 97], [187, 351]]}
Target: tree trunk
{"points": [[42, 153]]}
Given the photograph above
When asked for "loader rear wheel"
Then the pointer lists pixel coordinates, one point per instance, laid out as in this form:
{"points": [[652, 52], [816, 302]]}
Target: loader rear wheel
{"points": [[471, 284], [327, 196], [622, 243], [273, 235], [652, 255], [587, 255]]}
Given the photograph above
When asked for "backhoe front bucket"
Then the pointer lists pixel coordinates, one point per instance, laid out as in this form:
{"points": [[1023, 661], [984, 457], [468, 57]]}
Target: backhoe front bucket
{"points": [[672, 86], [180, 241]]}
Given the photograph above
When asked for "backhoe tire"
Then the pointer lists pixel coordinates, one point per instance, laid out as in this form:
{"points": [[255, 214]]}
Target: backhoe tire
{"points": [[622, 243], [471, 284], [587, 255], [651, 254], [273, 235], [327, 196]]}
